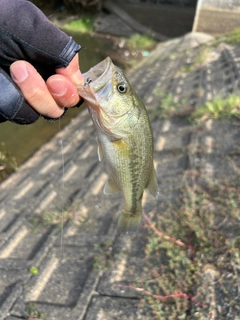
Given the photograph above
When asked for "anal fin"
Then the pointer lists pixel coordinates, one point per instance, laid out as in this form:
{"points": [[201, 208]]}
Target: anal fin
{"points": [[152, 186], [111, 187]]}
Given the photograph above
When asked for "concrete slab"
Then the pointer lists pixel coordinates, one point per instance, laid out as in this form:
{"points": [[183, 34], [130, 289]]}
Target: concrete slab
{"points": [[116, 308]]}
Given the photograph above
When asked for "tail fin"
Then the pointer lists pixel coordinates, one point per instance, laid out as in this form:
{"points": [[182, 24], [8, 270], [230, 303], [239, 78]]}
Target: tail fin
{"points": [[129, 222]]}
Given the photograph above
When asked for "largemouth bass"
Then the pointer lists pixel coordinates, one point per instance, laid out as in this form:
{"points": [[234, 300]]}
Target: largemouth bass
{"points": [[124, 138]]}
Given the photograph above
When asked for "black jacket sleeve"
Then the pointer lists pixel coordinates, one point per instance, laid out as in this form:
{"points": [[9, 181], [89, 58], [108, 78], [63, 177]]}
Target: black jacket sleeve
{"points": [[26, 34]]}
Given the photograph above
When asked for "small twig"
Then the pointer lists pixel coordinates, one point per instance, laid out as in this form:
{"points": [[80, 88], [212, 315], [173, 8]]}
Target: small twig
{"points": [[148, 293], [169, 296], [160, 234]]}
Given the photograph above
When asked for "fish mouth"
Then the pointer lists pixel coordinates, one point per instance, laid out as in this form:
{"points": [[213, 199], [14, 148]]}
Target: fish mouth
{"points": [[96, 79], [97, 85]]}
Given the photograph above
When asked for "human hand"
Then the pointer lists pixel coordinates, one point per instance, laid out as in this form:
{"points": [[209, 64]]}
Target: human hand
{"points": [[51, 97], [39, 65]]}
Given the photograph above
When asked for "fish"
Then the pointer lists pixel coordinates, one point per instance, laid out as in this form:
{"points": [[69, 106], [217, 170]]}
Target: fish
{"points": [[125, 139]]}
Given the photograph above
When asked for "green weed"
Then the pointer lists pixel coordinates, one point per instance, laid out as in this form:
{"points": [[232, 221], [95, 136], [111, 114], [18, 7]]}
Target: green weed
{"points": [[198, 60], [33, 313], [8, 163], [232, 37], [34, 270], [168, 107], [57, 217], [218, 108], [103, 259], [83, 25], [140, 42]]}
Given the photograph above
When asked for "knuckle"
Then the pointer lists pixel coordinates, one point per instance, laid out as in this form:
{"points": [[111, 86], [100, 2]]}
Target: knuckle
{"points": [[35, 95]]}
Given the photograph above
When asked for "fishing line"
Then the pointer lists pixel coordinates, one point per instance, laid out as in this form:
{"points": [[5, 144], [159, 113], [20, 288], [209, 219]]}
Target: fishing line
{"points": [[62, 185]]}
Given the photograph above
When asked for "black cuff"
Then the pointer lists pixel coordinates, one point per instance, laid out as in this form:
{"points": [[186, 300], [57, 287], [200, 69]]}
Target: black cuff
{"points": [[56, 119], [65, 111], [13, 107]]}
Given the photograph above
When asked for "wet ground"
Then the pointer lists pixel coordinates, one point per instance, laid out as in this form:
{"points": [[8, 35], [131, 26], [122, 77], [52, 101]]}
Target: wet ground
{"points": [[60, 257]]}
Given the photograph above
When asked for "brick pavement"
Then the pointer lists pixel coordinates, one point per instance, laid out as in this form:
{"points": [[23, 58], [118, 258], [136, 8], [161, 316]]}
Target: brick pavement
{"points": [[84, 279]]}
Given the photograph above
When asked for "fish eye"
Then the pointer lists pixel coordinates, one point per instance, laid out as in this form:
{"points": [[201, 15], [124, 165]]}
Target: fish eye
{"points": [[122, 88]]}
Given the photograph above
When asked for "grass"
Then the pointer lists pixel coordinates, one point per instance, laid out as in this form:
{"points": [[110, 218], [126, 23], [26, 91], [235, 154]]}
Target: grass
{"points": [[218, 108], [103, 259], [168, 107], [8, 163], [232, 37], [58, 217], [198, 60], [193, 250], [33, 313], [83, 25], [140, 42]]}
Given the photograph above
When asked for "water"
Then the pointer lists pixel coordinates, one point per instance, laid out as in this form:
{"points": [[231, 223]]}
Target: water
{"points": [[22, 141]]}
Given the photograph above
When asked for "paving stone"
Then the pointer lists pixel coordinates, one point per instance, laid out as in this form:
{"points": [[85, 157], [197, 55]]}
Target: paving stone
{"points": [[57, 311], [172, 142], [116, 308], [10, 219], [8, 297], [59, 282], [219, 138], [129, 256], [177, 163]]}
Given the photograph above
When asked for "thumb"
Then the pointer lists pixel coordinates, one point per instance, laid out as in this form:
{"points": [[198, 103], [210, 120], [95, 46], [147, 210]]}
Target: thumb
{"points": [[72, 71]]}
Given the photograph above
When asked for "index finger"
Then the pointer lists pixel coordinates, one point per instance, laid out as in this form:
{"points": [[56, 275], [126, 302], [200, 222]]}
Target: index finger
{"points": [[72, 71]]}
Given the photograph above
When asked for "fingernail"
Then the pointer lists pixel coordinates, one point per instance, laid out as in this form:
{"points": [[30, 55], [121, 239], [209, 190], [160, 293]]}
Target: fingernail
{"points": [[57, 87], [19, 72]]}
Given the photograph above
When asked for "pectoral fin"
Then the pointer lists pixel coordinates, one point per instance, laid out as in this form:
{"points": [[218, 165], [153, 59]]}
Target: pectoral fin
{"points": [[111, 187], [100, 151], [152, 184]]}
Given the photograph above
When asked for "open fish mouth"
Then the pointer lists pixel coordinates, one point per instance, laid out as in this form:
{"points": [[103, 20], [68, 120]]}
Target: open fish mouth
{"points": [[96, 78]]}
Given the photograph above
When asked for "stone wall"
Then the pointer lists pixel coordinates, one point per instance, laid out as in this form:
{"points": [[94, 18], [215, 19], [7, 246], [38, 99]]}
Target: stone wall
{"points": [[217, 16], [221, 4], [211, 16]]}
